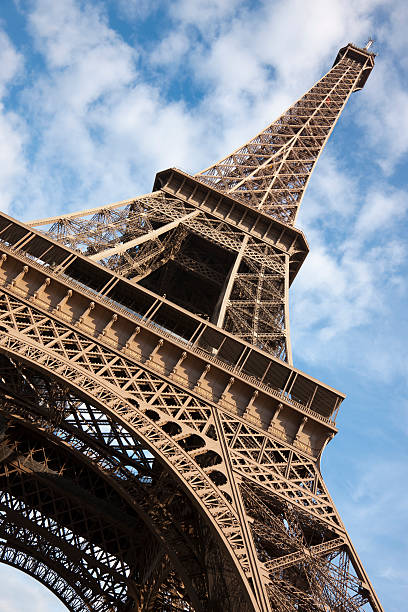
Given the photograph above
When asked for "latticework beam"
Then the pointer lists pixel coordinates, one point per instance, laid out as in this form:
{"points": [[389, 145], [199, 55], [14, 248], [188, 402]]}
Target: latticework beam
{"points": [[271, 171]]}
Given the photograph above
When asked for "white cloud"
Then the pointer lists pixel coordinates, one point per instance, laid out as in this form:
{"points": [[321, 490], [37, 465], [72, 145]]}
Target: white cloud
{"points": [[385, 115], [206, 15], [137, 9], [374, 510], [26, 593], [353, 276], [391, 30], [380, 212], [11, 63], [12, 163], [12, 129], [332, 195], [171, 50], [103, 129], [86, 58], [64, 32]]}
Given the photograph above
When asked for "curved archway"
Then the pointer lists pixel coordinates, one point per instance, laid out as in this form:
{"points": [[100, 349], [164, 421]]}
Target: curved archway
{"points": [[114, 435], [43, 453]]}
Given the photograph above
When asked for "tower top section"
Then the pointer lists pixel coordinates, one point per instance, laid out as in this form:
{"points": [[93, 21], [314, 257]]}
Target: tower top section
{"points": [[270, 172], [360, 55]]}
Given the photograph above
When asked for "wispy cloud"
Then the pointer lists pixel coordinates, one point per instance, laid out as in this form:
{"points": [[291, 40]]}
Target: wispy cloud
{"points": [[372, 499], [101, 130], [356, 259], [12, 126], [26, 593]]}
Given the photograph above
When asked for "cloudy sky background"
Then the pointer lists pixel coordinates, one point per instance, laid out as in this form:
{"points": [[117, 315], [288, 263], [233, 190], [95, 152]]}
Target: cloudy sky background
{"points": [[97, 96]]}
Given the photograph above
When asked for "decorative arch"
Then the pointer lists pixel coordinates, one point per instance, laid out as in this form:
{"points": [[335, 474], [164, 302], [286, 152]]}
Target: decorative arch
{"points": [[59, 438]]}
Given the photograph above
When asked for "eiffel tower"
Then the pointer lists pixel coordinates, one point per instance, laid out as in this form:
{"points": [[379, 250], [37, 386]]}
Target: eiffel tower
{"points": [[159, 450]]}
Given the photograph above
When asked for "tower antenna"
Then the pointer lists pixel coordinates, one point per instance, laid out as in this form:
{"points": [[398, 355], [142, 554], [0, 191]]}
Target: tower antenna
{"points": [[370, 42]]}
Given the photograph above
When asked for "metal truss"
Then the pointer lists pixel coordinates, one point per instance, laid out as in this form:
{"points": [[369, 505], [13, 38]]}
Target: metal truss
{"points": [[272, 170], [236, 280], [158, 449]]}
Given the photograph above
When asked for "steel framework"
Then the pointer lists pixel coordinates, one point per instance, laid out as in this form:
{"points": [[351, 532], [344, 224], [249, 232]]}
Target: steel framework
{"points": [[159, 450]]}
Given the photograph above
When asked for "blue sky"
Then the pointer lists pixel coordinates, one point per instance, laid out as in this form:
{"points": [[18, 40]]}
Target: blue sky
{"points": [[97, 96]]}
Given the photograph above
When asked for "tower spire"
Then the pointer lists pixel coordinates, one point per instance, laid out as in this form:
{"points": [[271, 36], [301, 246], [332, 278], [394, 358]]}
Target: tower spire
{"points": [[270, 172], [369, 43]]}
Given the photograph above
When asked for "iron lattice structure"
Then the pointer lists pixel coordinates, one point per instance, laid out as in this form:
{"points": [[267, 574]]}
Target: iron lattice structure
{"points": [[159, 450]]}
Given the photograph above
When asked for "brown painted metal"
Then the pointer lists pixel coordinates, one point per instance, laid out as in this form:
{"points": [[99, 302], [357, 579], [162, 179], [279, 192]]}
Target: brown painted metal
{"points": [[159, 451]]}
